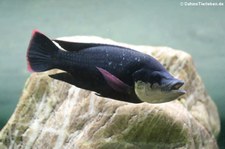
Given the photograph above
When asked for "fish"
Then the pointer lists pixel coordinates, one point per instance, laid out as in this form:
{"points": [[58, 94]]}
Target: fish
{"points": [[111, 71]]}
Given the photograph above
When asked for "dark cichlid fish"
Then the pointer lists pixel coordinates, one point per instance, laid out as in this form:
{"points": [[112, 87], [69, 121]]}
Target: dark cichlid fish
{"points": [[111, 71]]}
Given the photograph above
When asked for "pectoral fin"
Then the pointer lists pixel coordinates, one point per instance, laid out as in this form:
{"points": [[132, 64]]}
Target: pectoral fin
{"points": [[63, 76], [114, 82]]}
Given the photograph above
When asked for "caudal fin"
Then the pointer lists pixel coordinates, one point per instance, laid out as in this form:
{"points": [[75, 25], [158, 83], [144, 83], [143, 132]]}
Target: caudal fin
{"points": [[40, 53]]}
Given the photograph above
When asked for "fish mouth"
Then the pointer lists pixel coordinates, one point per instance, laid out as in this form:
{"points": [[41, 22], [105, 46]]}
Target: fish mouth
{"points": [[175, 87]]}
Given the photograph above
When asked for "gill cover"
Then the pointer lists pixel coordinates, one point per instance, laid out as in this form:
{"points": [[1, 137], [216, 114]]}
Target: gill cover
{"points": [[154, 93], [156, 87]]}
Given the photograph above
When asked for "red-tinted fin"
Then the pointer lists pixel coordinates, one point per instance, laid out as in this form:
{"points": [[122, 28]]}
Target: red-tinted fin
{"points": [[29, 67], [35, 31], [114, 82], [40, 53]]}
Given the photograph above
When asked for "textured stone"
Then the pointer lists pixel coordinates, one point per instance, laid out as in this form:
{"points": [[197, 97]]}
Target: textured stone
{"points": [[54, 114]]}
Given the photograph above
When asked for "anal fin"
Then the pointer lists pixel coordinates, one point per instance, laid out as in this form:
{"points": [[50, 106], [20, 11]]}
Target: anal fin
{"points": [[63, 76]]}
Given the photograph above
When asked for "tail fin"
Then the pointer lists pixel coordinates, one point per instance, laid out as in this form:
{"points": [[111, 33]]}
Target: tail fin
{"points": [[40, 53]]}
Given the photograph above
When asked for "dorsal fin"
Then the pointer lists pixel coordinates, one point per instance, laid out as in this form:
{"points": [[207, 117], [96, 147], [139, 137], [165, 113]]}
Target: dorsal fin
{"points": [[76, 46]]}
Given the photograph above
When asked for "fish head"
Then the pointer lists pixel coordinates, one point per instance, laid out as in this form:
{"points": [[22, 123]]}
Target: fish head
{"points": [[158, 87]]}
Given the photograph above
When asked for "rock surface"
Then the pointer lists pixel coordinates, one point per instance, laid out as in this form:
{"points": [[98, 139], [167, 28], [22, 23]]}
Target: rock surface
{"points": [[54, 114]]}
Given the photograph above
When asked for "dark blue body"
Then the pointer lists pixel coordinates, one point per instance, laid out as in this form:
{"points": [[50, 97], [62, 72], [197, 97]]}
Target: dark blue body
{"points": [[119, 61], [109, 70]]}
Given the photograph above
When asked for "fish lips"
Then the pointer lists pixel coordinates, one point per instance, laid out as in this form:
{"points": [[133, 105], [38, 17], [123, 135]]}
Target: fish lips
{"points": [[174, 86]]}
